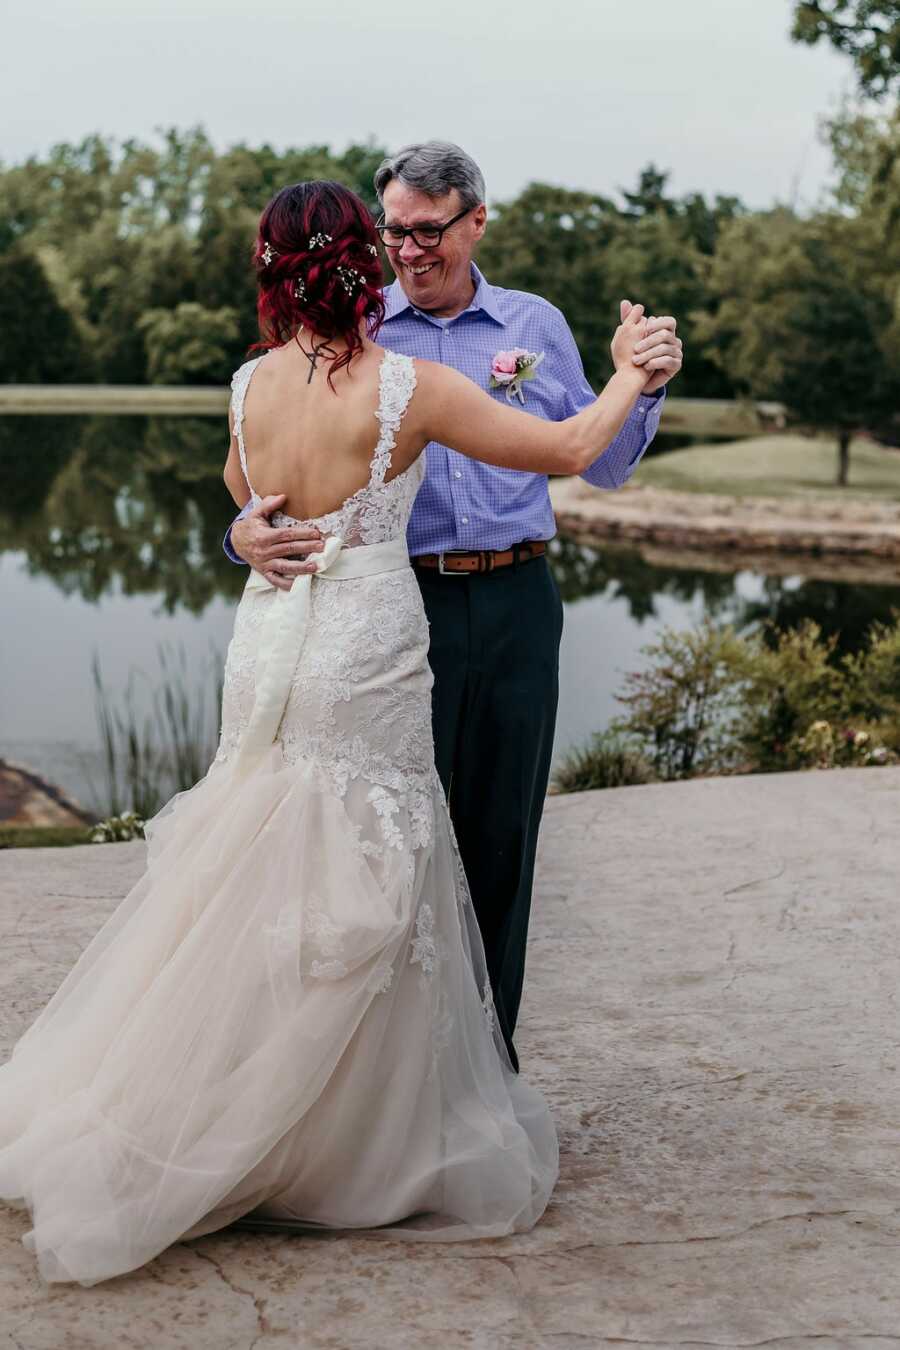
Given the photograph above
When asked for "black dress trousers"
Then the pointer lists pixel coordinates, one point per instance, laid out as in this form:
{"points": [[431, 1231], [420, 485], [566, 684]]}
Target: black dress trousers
{"points": [[495, 656]]}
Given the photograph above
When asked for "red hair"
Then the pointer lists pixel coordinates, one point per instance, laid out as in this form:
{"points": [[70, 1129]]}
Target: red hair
{"points": [[342, 228]]}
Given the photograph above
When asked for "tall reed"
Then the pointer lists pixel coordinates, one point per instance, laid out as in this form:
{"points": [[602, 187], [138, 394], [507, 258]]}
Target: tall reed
{"points": [[147, 757]]}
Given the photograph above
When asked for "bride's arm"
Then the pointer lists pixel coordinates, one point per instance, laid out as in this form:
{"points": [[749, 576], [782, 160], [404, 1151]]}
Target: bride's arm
{"points": [[235, 481], [452, 410]]}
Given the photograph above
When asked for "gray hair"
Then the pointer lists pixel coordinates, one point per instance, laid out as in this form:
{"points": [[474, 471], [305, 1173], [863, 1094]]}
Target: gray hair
{"points": [[435, 168]]}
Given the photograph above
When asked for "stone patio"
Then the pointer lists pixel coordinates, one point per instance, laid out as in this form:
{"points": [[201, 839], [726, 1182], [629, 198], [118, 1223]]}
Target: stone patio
{"points": [[711, 1009]]}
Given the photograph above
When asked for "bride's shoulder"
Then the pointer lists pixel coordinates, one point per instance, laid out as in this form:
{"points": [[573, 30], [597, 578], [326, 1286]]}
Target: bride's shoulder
{"points": [[243, 373]]}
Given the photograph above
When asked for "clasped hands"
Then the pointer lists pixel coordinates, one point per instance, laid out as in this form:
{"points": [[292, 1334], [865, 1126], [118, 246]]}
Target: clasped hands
{"points": [[659, 352]]}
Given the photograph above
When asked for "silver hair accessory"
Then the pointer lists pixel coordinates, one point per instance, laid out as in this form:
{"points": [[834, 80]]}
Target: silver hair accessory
{"points": [[267, 255], [350, 278], [319, 240], [373, 250], [299, 289]]}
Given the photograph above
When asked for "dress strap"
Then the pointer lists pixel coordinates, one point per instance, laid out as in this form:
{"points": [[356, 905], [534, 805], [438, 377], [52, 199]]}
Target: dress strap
{"points": [[239, 383], [396, 385]]}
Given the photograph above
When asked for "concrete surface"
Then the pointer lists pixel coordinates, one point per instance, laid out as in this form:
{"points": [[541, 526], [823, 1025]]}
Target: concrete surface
{"points": [[711, 1008]]}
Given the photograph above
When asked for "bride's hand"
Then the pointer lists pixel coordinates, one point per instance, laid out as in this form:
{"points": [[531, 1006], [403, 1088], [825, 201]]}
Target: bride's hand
{"points": [[660, 351], [626, 337]]}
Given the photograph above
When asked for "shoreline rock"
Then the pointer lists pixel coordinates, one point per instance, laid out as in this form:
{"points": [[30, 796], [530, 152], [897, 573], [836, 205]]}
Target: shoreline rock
{"points": [[28, 799], [750, 530]]}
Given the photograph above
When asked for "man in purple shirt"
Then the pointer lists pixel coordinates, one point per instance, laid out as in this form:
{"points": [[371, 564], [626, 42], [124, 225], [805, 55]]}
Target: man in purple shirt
{"points": [[477, 536]]}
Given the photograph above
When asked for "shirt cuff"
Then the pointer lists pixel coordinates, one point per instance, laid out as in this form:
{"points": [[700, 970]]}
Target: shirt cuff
{"points": [[619, 461], [226, 542]]}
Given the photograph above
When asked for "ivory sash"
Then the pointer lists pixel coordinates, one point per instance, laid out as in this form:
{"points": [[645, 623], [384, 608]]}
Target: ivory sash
{"points": [[285, 627]]}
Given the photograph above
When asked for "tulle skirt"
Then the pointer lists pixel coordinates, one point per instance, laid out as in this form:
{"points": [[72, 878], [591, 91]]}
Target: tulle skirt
{"points": [[268, 1028]]}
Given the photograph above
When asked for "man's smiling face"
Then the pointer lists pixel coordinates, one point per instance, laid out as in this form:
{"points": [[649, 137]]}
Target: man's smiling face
{"points": [[435, 279]]}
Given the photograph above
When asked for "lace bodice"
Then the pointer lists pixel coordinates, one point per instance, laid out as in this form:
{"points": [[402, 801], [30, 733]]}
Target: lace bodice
{"points": [[379, 510]]}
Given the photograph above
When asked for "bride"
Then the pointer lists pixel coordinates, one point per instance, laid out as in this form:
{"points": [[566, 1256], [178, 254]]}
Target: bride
{"points": [[288, 1019]]}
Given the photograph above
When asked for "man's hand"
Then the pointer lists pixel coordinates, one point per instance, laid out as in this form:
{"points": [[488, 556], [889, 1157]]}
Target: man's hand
{"points": [[274, 552], [659, 353]]}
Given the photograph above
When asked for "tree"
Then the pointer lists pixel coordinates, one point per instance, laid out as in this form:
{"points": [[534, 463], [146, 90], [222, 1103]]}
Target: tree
{"points": [[866, 30], [189, 344], [801, 318], [124, 228], [584, 254], [39, 343]]}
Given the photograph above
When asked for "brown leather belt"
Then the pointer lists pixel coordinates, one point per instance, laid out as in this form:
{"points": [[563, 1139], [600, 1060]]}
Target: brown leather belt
{"points": [[484, 560]]}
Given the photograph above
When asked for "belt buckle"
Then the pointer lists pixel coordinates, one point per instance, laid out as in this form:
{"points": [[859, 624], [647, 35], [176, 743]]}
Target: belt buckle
{"points": [[443, 570]]}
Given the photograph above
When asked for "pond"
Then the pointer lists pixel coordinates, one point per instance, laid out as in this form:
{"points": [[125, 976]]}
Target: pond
{"points": [[111, 547]]}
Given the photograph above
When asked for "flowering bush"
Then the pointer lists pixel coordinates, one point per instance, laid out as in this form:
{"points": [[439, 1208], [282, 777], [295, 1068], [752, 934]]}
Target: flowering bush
{"points": [[118, 829]]}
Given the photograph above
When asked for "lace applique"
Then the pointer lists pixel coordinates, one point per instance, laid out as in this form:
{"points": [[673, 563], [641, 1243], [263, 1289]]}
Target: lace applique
{"points": [[487, 1003], [381, 979], [441, 1032], [423, 948], [286, 931], [387, 807], [328, 970], [324, 934]]}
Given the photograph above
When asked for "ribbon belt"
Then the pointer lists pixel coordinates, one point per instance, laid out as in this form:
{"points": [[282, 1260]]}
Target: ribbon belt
{"points": [[285, 626]]}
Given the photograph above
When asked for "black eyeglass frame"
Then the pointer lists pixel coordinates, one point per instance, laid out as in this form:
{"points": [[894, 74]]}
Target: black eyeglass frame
{"points": [[408, 231]]}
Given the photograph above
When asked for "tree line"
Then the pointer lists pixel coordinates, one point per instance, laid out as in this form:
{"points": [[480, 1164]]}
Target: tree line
{"points": [[130, 262]]}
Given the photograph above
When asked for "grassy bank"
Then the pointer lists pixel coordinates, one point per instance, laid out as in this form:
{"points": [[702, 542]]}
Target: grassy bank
{"points": [[43, 836], [779, 465]]}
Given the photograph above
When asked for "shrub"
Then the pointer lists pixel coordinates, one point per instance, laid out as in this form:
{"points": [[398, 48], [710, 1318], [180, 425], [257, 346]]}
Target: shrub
{"points": [[789, 686], [683, 707], [609, 761], [874, 682], [709, 701]]}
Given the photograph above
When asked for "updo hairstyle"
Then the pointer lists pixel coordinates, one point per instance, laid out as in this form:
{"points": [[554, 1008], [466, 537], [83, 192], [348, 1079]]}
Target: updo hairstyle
{"points": [[317, 266]]}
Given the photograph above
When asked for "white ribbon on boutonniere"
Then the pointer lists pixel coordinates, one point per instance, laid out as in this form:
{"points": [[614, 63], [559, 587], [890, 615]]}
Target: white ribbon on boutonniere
{"points": [[510, 369]]}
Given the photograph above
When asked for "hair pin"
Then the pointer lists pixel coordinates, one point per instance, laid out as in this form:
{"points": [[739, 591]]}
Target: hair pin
{"points": [[268, 254], [299, 289], [319, 240], [350, 278]]}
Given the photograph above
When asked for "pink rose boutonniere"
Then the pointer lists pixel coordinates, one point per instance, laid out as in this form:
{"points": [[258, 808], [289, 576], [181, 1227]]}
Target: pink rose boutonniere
{"points": [[510, 369]]}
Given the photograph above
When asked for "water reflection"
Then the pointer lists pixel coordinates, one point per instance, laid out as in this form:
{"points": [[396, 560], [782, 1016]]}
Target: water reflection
{"points": [[844, 609], [137, 501], [137, 505]]}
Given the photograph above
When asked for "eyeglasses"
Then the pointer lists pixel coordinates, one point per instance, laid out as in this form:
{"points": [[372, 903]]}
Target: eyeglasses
{"points": [[426, 236]]}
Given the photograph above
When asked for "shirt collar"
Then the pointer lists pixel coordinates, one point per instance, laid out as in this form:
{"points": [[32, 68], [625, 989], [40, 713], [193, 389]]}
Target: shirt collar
{"points": [[396, 301]]}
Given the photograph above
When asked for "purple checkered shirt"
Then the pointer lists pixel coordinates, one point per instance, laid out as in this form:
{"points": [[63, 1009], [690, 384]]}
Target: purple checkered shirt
{"points": [[464, 504]]}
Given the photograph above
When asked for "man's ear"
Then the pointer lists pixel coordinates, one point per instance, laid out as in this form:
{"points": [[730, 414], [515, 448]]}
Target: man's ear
{"points": [[479, 220]]}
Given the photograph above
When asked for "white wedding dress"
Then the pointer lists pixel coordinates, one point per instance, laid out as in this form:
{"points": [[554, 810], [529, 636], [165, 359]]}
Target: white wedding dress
{"points": [[289, 1016]]}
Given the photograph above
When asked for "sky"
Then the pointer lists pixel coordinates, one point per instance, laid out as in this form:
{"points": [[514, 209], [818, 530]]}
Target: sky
{"points": [[581, 93]]}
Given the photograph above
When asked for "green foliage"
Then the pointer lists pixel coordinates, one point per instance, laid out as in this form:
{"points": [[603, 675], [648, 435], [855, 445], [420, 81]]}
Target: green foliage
{"points": [[788, 685], [799, 316], [874, 681], [866, 30], [609, 761], [148, 756], [683, 706], [709, 701], [126, 229], [583, 254], [188, 344], [39, 342], [43, 836], [118, 829]]}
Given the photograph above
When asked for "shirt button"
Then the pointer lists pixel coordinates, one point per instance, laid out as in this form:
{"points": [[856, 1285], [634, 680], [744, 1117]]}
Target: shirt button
{"points": [[456, 473], [465, 520]]}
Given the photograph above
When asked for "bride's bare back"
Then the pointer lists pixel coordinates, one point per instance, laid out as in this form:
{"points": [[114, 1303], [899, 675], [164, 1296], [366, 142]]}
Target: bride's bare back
{"points": [[313, 443]]}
